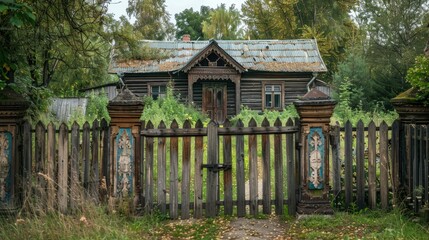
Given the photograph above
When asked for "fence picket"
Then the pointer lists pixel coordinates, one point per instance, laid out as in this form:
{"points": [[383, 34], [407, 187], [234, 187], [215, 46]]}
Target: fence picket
{"points": [[360, 163], [186, 170], [74, 168], [174, 153], [384, 184], [227, 175], [415, 166], [278, 169], [407, 173], [63, 168], [105, 158], [241, 201], [85, 156], [50, 168], [372, 165], [39, 155], [253, 171], [161, 172], [149, 171], [336, 162], [395, 160], [266, 170], [291, 170], [212, 176], [348, 157], [26, 161], [94, 173], [198, 195], [426, 165]]}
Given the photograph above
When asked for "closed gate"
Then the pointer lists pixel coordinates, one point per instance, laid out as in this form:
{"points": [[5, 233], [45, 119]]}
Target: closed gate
{"points": [[214, 169]]}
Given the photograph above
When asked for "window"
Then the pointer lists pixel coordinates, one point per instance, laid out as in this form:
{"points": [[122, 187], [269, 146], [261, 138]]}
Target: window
{"points": [[158, 91], [273, 96]]}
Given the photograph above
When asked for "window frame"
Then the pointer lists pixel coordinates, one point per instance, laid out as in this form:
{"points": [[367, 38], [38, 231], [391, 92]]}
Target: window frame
{"points": [[282, 94], [150, 87]]}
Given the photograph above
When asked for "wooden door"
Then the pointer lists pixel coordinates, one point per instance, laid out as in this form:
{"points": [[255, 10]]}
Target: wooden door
{"points": [[214, 101]]}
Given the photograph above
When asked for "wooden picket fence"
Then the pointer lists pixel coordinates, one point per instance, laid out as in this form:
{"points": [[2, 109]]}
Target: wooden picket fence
{"points": [[240, 169], [366, 164], [416, 166], [62, 166]]}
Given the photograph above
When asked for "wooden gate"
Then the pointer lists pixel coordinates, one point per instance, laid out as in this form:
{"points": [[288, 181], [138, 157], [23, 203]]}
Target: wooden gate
{"points": [[215, 168]]}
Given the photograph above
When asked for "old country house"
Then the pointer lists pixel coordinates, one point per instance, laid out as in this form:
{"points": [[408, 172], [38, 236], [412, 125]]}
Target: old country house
{"points": [[221, 76]]}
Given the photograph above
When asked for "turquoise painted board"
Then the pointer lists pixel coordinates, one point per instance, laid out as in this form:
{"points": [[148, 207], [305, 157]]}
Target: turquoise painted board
{"points": [[124, 162], [5, 168], [316, 158]]}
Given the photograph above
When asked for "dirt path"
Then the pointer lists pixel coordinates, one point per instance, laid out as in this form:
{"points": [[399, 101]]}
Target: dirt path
{"points": [[244, 228]]}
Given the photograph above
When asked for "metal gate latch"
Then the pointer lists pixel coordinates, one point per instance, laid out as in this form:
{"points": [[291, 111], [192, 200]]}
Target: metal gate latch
{"points": [[216, 167]]}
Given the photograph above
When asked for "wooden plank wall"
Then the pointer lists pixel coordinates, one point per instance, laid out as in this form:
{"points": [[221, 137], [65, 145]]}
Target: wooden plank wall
{"points": [[64, 163], [222, 172]]}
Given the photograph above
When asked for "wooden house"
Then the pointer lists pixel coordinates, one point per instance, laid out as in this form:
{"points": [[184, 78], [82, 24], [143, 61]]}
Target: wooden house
{"points": [[219, 77]]}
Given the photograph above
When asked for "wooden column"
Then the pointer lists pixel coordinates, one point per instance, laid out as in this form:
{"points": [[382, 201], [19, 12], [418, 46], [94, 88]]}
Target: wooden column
{"points": [[12, 181], [126, 156], [315, 110]]}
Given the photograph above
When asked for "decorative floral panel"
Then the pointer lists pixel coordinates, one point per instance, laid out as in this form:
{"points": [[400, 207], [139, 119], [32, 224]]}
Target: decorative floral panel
{"points": [[316, 158], [124, 162], [5, 168]]}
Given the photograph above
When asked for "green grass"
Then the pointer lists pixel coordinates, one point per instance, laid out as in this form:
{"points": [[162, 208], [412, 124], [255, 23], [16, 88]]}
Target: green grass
{"points": [[96, 223], [369, 225]]}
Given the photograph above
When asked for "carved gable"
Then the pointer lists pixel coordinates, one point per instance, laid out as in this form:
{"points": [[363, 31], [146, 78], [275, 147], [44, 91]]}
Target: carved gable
{"points": [[213, 56]]}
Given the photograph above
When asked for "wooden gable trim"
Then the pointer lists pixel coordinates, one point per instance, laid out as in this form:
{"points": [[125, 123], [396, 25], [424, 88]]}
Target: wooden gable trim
{"points": [[213, 47]]}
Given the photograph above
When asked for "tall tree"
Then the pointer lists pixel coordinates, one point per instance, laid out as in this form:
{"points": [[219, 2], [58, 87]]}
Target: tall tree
{"points": [[223, 23], [190, 22], [397, 32], [326, 21], [152, 19]]}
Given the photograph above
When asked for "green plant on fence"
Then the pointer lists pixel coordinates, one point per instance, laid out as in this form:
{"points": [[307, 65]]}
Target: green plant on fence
{"points": [[97, 107], [169, 108], [246, 114], [418, 77]]}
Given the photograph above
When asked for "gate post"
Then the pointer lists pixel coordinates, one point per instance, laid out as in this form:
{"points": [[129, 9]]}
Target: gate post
{"points": [[125, 163], [12, 110], [315, 110]]}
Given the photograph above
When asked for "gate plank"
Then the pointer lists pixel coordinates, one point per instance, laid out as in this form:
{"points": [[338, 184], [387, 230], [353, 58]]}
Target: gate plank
{"points": [[278, 168], [291, 169], [212, 176], [266, 170], [62, 168], [372, 165], [75, 195], [241, 201], [360, 164], [227, 175], [336, 162], [198, 196], [408, 154], [253, 170], [426, 165], [40, 163], [415, 166], [186, 172], [149, 171], [174, 152], [50, 167], [161, 171], [348, 164], [384, 184]]}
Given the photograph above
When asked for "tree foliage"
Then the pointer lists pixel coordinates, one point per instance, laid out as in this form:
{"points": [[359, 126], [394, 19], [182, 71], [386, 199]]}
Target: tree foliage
{"points": [[396, 33], [418, 77], [223, 23], [190, 22], [152, 19]]}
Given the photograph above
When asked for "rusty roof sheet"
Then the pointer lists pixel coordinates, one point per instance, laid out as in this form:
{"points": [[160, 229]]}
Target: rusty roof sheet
{"points": [[298, 55]]}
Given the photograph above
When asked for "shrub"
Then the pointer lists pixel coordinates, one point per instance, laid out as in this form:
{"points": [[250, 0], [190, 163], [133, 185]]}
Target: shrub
{"points": [[418, 77]]}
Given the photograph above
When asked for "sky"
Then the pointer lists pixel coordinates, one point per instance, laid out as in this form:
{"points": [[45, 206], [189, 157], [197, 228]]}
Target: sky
{"points": [[118, 7]]}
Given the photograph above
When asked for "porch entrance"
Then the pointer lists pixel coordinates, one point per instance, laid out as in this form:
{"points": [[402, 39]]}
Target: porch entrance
{"points": [[215, 101]]}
